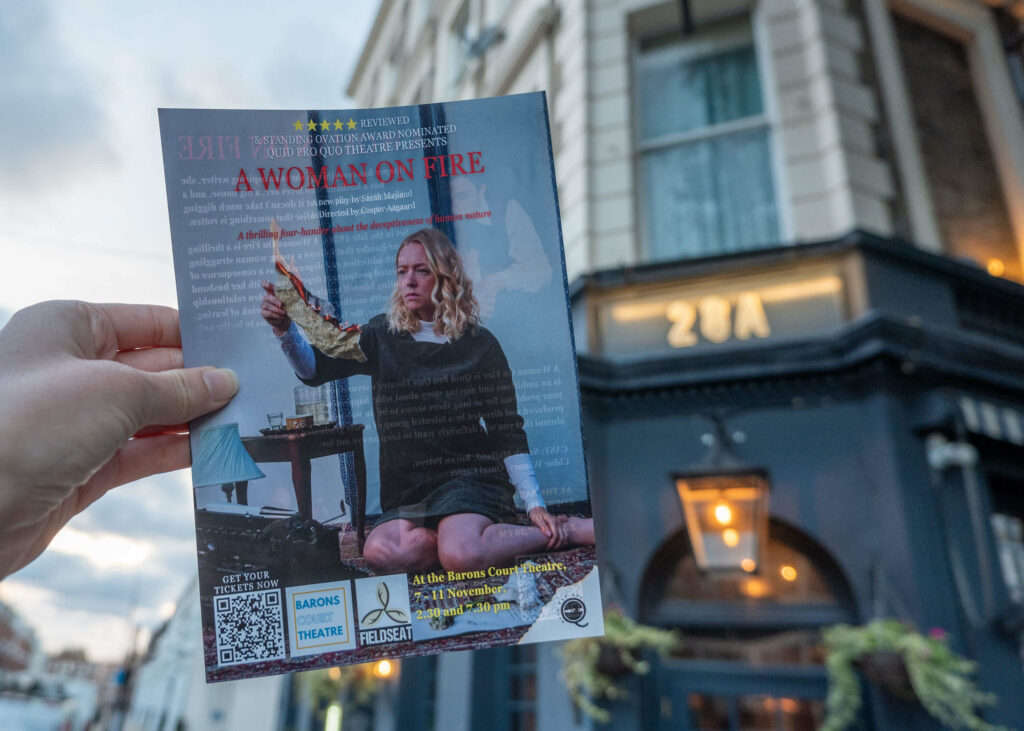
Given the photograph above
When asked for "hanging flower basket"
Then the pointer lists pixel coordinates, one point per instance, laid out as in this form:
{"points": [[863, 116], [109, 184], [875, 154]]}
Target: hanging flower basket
{"points": [[610, 660], [888, 671], [592, 665], [906, 664]]}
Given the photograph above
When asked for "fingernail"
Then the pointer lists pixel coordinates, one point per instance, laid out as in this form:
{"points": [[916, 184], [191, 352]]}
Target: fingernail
{"points": [[222, 382]]}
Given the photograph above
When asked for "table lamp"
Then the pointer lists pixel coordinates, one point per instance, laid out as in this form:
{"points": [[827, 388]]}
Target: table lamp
{"points": [[222, 460]]}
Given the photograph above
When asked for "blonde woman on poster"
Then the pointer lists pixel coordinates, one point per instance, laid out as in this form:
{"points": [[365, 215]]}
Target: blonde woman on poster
{"points": [[453, 450]]}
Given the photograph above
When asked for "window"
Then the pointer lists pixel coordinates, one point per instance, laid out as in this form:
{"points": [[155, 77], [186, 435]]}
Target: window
{"points": [[1009, 533], [389, 76], [522, 675], [505, 689], [970, 204], [418, 693], [1007, 495], [704, 163], [458, 47]]}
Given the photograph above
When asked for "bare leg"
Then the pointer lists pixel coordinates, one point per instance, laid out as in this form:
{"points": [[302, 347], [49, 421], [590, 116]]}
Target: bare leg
{"points": [[581, 531], [400, 546], [468, 541]]}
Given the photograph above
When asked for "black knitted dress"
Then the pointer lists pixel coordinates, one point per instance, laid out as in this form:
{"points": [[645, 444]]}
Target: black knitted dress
{"points": [[446, 417]]}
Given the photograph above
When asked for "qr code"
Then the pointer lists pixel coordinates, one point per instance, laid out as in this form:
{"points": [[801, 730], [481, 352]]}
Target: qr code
{"points": [[250, 627]]}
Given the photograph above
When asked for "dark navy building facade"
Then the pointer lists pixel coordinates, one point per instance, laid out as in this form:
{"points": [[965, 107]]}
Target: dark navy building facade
{"points": [[896, 462]]}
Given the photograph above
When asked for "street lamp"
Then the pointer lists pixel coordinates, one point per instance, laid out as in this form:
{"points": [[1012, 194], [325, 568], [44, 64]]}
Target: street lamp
{"points": [[725, 505]]}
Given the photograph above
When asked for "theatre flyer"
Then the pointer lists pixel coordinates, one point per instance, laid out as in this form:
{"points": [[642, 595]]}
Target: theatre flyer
{"points": [[402, 470]]}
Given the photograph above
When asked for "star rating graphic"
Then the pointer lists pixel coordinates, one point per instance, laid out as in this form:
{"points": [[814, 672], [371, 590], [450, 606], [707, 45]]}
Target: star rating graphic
{"points": [[323, 126]]}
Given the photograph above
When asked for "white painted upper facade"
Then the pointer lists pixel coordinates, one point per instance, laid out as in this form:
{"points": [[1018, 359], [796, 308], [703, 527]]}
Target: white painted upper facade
{"points": [[822, 111]]}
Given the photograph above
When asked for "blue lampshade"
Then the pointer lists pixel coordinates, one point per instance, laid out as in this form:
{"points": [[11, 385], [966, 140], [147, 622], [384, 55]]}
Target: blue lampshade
{"points": [[222, 458]]}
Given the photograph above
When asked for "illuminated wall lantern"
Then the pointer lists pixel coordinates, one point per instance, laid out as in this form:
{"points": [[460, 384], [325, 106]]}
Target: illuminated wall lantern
{"points": [[725, 505]]}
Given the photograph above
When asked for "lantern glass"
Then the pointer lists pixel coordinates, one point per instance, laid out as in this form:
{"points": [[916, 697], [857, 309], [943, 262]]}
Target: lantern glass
{"points": [[726, 518]]}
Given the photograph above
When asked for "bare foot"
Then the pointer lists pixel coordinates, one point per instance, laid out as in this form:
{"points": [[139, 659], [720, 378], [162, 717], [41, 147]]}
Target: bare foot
{"points": [[581, 531]]}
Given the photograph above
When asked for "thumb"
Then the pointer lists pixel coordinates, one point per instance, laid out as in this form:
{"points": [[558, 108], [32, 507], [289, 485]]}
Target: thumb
{"points": [[180, 395]]}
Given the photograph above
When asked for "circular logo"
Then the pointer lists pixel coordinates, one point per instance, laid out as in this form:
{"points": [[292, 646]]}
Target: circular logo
{"points": [[573, 611]]}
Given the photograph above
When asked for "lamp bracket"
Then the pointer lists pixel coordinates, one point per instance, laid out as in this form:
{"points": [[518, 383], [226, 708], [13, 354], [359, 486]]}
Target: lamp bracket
{"points": [[720, 442], [943, 454]]}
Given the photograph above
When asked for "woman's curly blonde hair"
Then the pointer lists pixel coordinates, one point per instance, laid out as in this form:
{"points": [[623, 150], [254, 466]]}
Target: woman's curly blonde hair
{"points": [[456, 308]]}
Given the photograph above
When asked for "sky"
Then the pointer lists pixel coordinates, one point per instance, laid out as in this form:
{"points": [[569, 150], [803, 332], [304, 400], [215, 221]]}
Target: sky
{"points": [[83, 214]]}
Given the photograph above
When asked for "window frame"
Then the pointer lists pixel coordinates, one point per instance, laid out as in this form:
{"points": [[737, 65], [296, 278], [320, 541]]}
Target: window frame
{"points": [[457, 47], [715, 35], [974, 26], [494, 669]]}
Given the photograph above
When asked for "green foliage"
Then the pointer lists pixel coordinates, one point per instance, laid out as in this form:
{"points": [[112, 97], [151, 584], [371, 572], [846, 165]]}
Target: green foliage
{"points": [[940, 678], [625, 639]]}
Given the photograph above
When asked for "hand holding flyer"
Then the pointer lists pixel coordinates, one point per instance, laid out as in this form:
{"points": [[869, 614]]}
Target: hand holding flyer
{"points": [[444, 426], [102, 387]]}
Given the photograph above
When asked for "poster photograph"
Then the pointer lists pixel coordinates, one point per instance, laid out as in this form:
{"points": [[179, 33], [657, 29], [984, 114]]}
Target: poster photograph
{"points": [[402, 470]]}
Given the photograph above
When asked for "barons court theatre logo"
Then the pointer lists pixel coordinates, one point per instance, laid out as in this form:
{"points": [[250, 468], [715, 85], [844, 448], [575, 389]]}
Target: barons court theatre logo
{"points": [[384, 615]]}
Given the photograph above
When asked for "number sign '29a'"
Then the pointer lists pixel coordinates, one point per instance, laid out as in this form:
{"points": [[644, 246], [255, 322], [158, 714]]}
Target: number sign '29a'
{"points": [[716, 319], [763, 306]]}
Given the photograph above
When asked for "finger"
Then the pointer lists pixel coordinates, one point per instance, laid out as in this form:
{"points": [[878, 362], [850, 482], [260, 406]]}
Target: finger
{"points": [[137, 459], [537, 518], [556, 531], [152, 359], [551, 532], [136, 326], [272, 299], [267, 286], [154, 429], [174, 397]]}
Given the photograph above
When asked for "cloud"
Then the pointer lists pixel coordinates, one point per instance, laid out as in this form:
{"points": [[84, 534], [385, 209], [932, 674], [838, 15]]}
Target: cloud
{"points": [[155, 573], [52, 113], [154, 509], [128, 556], [103, 550], [74, 600], [61, 622], [320, 73]]}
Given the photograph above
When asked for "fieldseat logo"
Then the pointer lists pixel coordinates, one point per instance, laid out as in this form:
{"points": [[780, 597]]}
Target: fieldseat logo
{"points": [[384, 614]]}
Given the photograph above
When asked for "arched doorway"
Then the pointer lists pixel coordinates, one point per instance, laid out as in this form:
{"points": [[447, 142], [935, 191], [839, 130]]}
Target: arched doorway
{"points": [[752, 658]]}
